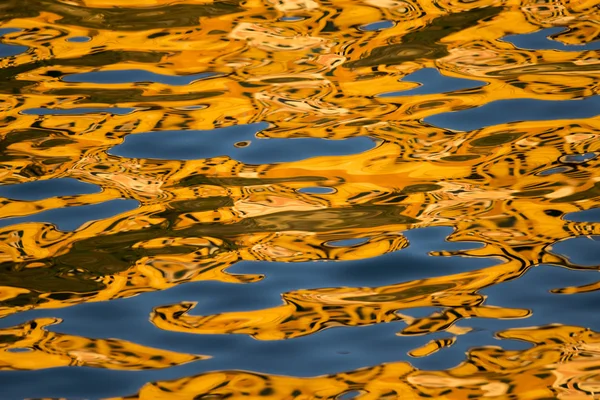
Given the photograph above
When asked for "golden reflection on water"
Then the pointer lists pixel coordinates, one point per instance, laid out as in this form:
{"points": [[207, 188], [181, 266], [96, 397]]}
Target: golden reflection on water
{"points": [[320, 75]]}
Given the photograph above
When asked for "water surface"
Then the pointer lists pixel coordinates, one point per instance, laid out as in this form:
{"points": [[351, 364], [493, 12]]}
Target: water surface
{"points": [[299, 199]]}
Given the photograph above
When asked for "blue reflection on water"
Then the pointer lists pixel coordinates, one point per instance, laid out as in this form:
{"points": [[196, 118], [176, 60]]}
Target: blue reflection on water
{"points": [[581, 250], [540, 41], [503, 111], [317, 190], [7, 50], [591, 215], [38, 190], [71, 218], [79, 39], [377, 26], [192, 145]]}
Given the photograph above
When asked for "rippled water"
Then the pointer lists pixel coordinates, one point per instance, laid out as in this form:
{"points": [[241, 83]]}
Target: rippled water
{"points": [[303, 199]]}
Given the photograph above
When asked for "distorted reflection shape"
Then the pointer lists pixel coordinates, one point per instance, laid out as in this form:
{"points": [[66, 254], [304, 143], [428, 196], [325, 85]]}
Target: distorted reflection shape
{"points": [[506, 111], [377, 26], [191, 145], [79, 39], [591, 215], [583, 250], [578, 158], [71, 218], [544, 40], [317, 190], [8, 50], [37, 190]]}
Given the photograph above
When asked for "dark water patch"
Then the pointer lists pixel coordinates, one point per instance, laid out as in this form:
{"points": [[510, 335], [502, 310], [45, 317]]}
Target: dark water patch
{"points": [[79, 111], [317, 190], [4, 31], [347, 242], [292, 19], [534, 291], [8, 50], [591, 215], [71, 218], [377, 26], [66, 382], [19, 350], [135, 75], [541, 40], [581, 250], [577, 158], [79, 39], [432, 81], [192, 107], [192, 145], [38, 190], [555, 170], [504, 111]]}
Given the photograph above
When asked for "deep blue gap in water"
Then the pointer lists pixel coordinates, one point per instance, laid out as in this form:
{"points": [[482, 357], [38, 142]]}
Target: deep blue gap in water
{"points": [[504, 111], [581, 250], [533, 291], [317, 190], [554, 170], [192, 145], [591, 215], [377, 26], [71, 218], [292, 19], [79, 39], [540, 41], [8, 50], [578, 158], [38, 190]]}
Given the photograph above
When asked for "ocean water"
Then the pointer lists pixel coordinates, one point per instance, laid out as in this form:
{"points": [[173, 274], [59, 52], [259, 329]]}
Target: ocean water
{"points": [[299, 199]]}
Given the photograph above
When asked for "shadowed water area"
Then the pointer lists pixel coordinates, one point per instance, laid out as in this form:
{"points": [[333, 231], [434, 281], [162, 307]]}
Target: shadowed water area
{"points": [[299, 199]]}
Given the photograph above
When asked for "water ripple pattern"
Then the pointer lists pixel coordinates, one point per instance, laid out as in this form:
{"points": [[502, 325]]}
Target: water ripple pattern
{"points": [[299, 199]]}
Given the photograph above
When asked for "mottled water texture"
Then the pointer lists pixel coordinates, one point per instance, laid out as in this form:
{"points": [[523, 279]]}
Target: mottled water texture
{"points": [[299, 199]]}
